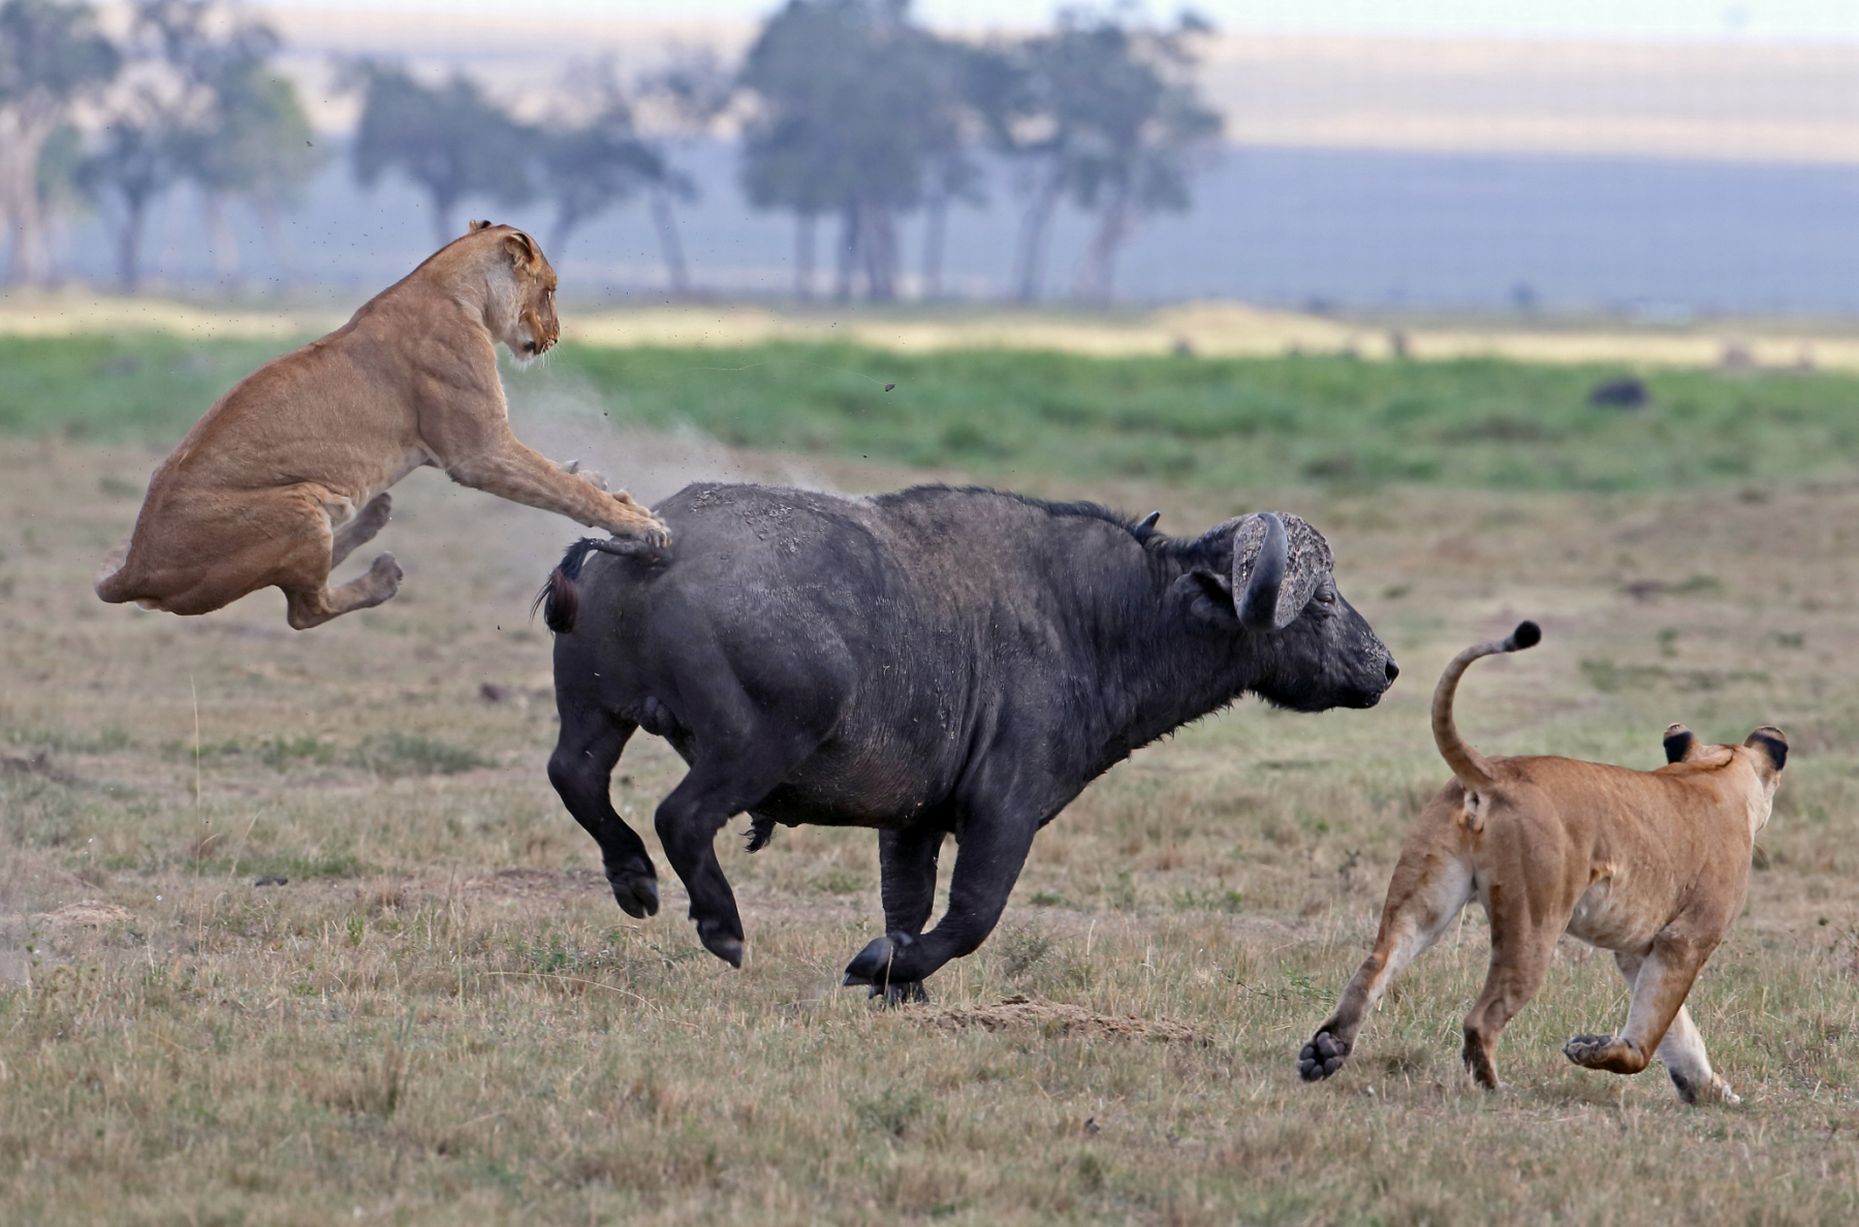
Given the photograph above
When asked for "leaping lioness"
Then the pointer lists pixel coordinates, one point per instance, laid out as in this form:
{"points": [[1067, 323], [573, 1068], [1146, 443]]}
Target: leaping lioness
{"points": [[287, 474]]}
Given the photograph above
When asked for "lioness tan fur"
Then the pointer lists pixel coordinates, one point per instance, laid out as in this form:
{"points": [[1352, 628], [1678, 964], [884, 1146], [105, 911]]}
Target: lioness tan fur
{"points": [[288, 472], [1652, 865]]}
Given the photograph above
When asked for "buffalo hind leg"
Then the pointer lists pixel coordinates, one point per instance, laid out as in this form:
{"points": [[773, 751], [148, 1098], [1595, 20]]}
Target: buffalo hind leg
{"points": [[714, 791], [1417, 911], [907, 868], [992, 849], [581, 769]]}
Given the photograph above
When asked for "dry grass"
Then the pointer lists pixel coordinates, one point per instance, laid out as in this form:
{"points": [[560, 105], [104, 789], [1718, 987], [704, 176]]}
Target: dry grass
{"points": [[442, 1017]]}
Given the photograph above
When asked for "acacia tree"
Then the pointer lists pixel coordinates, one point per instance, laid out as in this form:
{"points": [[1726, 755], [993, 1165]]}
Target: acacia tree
{"points": [[848, 108], [239, 130], [683, 100], [589, 159], [52, 56], [197, 102], [1104, 112], [135, 162], [449, 139]]}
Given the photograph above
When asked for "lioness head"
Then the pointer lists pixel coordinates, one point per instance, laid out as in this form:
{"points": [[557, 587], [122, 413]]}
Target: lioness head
{"points": [[1764, 751], [520, 304]]}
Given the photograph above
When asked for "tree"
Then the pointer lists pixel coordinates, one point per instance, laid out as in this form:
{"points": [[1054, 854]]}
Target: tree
{"points": [[52, 56], [134, 164], [849, 106], [449, 139], [1104, 112], [682, 100], [238, 128], [197, 102]]}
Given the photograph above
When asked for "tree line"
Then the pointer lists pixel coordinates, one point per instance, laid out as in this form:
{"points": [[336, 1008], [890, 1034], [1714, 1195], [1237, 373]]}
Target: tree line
{"points": [[850, 116]]}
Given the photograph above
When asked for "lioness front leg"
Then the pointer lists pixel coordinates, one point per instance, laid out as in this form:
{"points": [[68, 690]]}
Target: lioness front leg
{"points": [[511, 470], [1682, 1050], [1659, 990]]}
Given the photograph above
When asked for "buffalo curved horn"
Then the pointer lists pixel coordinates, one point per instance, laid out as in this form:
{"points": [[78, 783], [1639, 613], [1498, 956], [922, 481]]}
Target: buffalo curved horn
{"points": [[1257, 604]]}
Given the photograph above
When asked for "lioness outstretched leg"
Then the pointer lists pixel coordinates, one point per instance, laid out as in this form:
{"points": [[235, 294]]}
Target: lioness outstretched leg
{"points": [[1659, 991], [1427, 891], [360, 530], [508, 469], [1682, 1050]]}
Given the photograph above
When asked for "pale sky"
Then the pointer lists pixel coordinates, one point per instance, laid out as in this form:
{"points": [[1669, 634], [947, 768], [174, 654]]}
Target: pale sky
{"points": [[1766, 20]]}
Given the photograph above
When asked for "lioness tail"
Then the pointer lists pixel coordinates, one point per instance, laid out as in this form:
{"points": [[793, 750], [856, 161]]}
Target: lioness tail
{"points": [[1468, 764]]}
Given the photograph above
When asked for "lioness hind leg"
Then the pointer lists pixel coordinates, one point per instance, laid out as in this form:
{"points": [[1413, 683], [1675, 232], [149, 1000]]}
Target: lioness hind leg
{"points": [[308, 607], [1659, 990], [361, 530], [1426, 892], [1522, 946]]}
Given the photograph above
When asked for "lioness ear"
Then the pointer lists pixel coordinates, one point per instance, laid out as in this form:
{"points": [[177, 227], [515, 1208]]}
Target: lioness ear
{"points": [[1771, 741], [522, 249], [1678, 743], [476, 224]]}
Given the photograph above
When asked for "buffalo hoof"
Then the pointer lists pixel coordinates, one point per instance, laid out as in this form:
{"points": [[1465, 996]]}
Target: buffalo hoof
{"points": [[1323, 1056], [899, 992], [720, 942], [636, 893], [876, 964]]}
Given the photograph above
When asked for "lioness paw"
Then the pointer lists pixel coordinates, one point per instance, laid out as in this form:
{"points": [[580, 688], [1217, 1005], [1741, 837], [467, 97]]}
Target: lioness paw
{"points": [[1323, 1056]]}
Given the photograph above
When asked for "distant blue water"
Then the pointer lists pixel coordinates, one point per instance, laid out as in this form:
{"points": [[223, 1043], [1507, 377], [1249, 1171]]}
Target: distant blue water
{"points": [[1350, 229]]}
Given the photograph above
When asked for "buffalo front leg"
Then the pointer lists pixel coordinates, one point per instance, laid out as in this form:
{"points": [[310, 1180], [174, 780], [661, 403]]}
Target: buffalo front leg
{"points": [[510, 470], [907, 868], [987, 864], [581, 769]]}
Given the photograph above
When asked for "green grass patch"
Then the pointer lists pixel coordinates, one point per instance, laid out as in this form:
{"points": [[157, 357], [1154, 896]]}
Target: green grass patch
{"points": [[1216, 423]]}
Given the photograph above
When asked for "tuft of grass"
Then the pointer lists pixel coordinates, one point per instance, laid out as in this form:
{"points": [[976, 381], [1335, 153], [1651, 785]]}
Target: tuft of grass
{"points": [[395, 755]]}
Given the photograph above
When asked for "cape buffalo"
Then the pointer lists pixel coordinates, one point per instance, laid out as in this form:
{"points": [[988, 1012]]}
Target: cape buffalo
{"points": [[931, 662]]}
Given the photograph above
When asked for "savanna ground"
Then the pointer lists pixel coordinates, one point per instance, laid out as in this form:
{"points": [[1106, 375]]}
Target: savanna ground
{"points": [[441, 1016]]}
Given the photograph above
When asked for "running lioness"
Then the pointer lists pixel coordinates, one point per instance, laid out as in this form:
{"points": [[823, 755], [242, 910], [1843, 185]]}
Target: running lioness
{"points": [[288, 473], [1652, 865]]}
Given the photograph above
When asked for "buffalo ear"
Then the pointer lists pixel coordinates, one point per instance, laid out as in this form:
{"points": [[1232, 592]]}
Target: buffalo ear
{"points": [[1209, 598], [1678, 742], [522, 249], [1772, 742]]}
